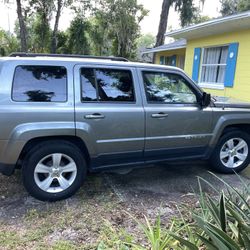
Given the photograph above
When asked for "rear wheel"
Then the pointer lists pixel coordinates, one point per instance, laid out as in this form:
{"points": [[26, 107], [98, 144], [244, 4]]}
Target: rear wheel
{"points": [[232, 153], [53, 170]]}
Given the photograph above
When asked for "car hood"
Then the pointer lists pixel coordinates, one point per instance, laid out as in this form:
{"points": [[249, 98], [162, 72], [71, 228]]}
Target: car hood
{"points": [[228, 102]]}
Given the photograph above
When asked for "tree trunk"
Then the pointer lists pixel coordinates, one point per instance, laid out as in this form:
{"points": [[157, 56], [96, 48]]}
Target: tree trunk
{"points": [[23, 34], [55, 30], [160, 38]]}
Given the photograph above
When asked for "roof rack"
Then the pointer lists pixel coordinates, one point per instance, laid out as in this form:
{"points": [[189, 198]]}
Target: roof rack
{"points": [[112, 58]]}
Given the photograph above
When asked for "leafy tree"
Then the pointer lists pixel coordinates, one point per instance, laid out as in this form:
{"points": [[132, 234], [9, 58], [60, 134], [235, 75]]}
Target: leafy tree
{"points": [[60, 4], [62, 40], [186, 10], [244, 5], [8, 43], [100, 40], [78, 36], [200, 19], [122, 19], [146, 41], [229, 7], [41, 11], [41, 34]]}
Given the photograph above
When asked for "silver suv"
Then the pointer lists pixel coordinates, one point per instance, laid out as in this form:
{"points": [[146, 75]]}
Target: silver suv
{"points": [[62, 116]]}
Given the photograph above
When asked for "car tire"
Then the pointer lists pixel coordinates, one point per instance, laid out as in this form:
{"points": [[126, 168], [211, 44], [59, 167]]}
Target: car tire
{"points": [[53, 170], [232, 153]]}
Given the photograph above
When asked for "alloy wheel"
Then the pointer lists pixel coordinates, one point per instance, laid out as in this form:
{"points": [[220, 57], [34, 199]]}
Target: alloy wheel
{"points": [[234, 152], [55, 173]]}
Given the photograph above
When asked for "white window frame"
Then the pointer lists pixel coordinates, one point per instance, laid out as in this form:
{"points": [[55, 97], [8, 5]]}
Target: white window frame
{"points": [[211, 85]]}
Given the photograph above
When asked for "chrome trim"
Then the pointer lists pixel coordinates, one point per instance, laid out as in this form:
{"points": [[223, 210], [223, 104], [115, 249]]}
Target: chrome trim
{"points": [[188, 137]]}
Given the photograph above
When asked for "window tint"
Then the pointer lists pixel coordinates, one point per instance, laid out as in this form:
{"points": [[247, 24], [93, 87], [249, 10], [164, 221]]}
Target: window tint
{"points": [[107, 85], [167, 88], [88, 85], [40, 84]]}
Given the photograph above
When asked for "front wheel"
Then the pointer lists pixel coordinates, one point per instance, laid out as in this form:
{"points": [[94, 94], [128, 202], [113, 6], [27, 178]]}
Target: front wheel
{"points": [[53, 170], [232, 153]]}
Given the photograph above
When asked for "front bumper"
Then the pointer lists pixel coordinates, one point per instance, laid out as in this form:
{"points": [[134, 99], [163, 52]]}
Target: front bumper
{"points": [[7, 169]]}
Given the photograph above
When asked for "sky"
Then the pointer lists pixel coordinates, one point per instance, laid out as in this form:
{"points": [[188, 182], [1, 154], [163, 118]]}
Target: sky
{"points": [[151, 22], [148, 25]]}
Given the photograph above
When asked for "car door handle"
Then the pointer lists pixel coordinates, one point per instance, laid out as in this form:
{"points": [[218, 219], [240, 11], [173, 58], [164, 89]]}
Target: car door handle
{"points": [[159, 115], [94, 116]]}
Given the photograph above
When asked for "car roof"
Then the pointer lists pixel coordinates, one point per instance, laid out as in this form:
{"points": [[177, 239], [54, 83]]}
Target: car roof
{"points": [[89, 60]]}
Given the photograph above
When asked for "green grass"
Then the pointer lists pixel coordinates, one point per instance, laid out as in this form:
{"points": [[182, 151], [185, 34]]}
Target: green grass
{"points": [[9, 239]]}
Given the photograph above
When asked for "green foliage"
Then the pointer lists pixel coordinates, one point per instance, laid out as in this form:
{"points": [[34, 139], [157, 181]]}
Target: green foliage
{"points": [[62, 40], [112, 238], [99, 34], [187, 11], [78, 36], [146, 41], [200, 19], [100, 27], [221, 222], [189, 14], [229, 7], [8, 43], [121, 19], [41, 34], [157, 238]]}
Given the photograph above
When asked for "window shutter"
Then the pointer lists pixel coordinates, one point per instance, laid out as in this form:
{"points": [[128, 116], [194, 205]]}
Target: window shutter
{"points": [[196, 64], [162, 60], [231, 64], [173, 60]]}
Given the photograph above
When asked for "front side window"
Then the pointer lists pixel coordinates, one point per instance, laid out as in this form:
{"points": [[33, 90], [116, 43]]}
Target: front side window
{"points": [[40, 84], [214, 64], [167, 88], [107, 85]]}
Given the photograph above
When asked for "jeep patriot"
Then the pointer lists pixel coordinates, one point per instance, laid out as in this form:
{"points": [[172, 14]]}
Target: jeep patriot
{"points": [[63, 116]]}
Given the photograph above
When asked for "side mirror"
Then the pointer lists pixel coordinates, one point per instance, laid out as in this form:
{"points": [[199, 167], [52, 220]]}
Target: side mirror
{"points": [[206, 100]]}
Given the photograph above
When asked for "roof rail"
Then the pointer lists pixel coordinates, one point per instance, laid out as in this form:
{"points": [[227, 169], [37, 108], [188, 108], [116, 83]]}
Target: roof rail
{"points": [[112, 58]]}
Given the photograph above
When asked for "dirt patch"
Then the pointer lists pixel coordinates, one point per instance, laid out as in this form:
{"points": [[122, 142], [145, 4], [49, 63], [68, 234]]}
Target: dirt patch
{"points": [[103, 204]]}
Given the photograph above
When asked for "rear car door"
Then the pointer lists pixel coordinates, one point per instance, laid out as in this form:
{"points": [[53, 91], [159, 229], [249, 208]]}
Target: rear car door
{"points": [[176, 125], [109, 113]]}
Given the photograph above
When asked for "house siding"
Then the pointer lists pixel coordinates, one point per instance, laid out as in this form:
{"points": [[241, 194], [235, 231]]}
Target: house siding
{"points": [[177, 52], [241, 88]]}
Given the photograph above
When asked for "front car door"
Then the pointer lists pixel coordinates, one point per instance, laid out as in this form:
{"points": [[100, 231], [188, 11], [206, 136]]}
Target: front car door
{"points": [[109, 114], [176, 125]]}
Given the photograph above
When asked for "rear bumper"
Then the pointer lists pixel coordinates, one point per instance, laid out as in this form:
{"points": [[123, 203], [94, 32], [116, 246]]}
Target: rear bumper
{"points": [[7, 169]]}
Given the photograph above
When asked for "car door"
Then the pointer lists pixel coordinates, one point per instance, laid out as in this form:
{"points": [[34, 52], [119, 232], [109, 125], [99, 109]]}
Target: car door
{"points": [[109, 113], [176, 125]]}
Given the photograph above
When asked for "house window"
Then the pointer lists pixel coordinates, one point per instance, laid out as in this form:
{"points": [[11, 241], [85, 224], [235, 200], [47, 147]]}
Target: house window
{"points": [[168, 60], [213, 67]]}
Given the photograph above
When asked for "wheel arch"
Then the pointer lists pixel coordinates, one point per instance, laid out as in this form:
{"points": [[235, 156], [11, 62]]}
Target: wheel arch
{"points": [[72, 139]]}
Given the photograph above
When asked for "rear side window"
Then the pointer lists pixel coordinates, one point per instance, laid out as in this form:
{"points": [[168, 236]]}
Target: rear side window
{"points": [[40, 84], [107, 85]]}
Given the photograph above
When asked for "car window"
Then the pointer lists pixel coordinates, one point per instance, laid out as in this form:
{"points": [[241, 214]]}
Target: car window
{"points": [[112, 85], [89, 92], [40, 84], [167, 88]]}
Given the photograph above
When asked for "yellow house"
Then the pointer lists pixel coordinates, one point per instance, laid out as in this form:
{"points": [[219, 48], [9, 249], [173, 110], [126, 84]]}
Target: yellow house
{"points": [[216, 54]]}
